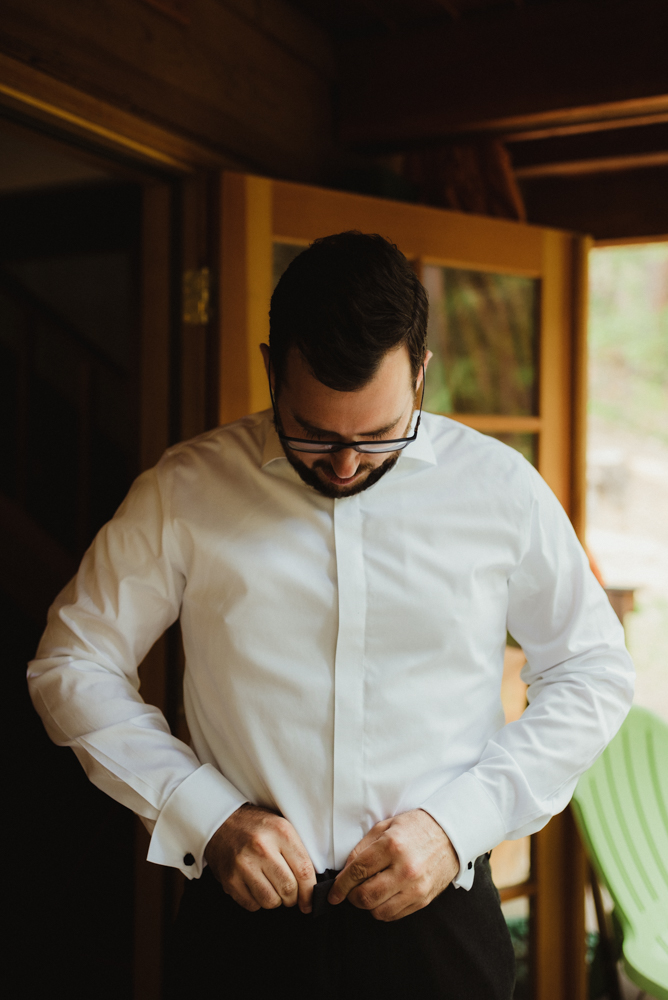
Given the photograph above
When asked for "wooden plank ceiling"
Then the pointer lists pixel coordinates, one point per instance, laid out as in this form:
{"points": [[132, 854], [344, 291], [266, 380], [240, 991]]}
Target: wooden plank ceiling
{"points": [[572, 88]]}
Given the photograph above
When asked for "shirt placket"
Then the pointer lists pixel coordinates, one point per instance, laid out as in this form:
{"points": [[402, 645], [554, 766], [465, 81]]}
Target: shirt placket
{"points": [[347, 806]]}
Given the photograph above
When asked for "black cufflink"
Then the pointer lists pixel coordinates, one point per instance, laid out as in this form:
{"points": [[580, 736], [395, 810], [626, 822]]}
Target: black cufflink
{"points": [[189, 860], [470, 863]]}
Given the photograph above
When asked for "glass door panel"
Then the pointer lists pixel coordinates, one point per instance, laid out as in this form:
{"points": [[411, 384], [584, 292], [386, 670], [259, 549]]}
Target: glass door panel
{"points": [[282, 255], [483, 332], [526, 443]]}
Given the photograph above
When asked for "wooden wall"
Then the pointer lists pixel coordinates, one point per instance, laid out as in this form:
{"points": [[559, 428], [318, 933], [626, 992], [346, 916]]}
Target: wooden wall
{"points": [[250, 80], [624, 204]]}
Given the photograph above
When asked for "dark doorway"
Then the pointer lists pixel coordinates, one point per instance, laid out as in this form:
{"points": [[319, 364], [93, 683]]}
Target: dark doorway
{"points": [[69, 411]]}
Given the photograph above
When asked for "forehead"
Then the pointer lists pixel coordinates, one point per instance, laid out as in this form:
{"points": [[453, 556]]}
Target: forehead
{"points": [[379, 403]]}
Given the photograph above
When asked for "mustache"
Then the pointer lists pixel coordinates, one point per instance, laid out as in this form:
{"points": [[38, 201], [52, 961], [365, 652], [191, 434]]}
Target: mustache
{"points": [[309, 475], [322, 463]]}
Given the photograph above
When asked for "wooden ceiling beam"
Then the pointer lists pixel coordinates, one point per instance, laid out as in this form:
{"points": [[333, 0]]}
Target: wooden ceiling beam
{"points": [[579, 128], [598, 165], [535, 68]]}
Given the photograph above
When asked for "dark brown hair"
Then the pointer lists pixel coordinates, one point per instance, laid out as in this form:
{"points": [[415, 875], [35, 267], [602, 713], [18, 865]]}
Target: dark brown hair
{"points": [[344, 303]]}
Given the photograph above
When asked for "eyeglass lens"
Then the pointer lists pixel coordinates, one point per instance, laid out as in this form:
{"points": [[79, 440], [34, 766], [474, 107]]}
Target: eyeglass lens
{"points": [[364, 447]]}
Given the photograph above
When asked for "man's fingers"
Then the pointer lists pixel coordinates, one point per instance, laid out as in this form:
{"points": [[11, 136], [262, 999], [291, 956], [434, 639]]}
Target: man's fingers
{"points": [[385, 900], [276, 883], [395, 909], [261, 851], [262, 890], [369, 862], [374, 891], [415, 857], [305, 892], [304, 874], [374, 834], [242, 895]]}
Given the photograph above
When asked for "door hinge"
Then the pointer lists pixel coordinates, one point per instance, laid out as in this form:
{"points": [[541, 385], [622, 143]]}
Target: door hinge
{"points": [[196, 296]]}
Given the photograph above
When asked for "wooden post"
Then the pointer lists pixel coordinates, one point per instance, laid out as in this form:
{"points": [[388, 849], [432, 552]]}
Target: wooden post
{"points": [[559, 867], [245, 291], [150, 889], [581, 247], [559, 863]]}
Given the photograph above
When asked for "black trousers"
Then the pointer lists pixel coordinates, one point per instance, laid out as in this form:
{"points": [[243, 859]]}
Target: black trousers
{"points": [[457, 948]]}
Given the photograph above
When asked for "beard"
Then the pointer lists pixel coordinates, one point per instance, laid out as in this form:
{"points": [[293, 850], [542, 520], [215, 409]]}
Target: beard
{"points": [[309, 475]]}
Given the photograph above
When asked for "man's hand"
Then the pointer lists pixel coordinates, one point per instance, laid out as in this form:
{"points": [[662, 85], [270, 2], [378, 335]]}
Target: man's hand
{"points": [[400, 866], [260, 861]]}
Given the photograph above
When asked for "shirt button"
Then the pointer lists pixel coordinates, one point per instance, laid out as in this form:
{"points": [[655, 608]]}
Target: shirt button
{"points": [[470, 862], [189, 860]]}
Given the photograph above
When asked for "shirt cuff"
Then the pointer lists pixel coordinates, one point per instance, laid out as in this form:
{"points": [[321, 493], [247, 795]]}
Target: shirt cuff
{"points": [[470, 819], [189, 819]]}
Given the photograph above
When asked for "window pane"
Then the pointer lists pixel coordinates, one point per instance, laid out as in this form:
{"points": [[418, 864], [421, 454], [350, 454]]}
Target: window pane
{"points": [[518, 915], [525, 443], [483, 334], [283, 254], [511, 862]]}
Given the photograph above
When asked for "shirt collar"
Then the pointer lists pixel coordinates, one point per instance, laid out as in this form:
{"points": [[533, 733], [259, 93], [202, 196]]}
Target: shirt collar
{"points": [[420, 450], [273, 449]]}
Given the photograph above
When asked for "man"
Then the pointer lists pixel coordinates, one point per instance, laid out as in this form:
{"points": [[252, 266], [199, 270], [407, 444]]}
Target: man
{"points": [[344, 574]]}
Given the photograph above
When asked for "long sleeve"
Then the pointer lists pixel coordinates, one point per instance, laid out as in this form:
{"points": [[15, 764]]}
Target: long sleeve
{"points": [[84, 682], [580, 687]]}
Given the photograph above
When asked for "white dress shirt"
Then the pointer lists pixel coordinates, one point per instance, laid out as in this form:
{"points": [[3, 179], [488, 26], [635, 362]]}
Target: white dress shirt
{"points": [[343, 657]]}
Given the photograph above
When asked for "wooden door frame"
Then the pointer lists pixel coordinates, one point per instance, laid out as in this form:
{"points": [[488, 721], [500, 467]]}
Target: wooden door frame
{"points": [[158, 159]]}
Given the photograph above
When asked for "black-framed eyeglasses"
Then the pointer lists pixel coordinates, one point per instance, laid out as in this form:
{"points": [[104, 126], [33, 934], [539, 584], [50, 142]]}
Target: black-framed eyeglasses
{"points": [[315, 447]]}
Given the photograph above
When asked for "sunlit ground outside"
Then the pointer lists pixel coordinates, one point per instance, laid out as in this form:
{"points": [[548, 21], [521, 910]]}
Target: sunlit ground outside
{"points": [[627, 464], [627, 450]]}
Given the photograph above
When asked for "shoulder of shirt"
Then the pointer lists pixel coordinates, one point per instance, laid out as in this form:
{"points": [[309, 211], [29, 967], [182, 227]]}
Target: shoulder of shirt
{"points": [[490, 461], [241, 436], [450, 437]]}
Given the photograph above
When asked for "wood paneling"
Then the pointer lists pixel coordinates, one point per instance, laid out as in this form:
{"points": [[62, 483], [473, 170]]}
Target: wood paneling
{"points": [[155, 323], [151, 881], [34, 566], [29, 91], [258, 289], [541, 64], [245, 81], [607, 206], [195, 346], [233, 376]]}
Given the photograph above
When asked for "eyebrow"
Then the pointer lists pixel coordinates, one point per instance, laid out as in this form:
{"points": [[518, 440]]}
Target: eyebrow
{"points": [[321, 430]]}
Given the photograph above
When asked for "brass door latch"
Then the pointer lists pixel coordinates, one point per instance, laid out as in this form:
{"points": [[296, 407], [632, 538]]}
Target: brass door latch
{"points": [[196, 296]]}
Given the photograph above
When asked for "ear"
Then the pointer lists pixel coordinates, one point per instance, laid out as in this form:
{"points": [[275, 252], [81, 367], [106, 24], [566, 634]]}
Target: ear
{"points": [[264, 350], [427, 358]]}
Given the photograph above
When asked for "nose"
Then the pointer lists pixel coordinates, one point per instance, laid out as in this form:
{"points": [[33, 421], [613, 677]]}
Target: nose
{"points": [[345, 462]]}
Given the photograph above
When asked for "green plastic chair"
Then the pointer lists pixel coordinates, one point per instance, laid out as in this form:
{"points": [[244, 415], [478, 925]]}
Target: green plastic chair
{"points": [[621, 807]]}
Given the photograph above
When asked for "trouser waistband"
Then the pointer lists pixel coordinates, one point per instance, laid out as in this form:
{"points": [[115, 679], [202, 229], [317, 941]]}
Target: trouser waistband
{"points": [[324, 882]]}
